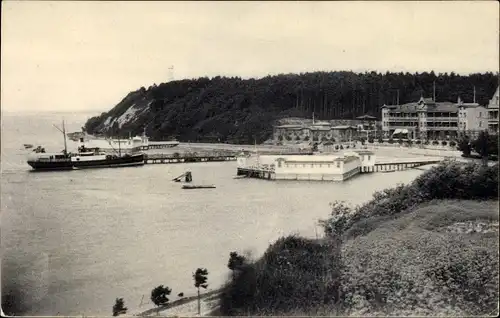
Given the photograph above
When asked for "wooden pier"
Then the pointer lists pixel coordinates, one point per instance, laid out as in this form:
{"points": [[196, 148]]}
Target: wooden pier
{"points": [[186, 158], [159, 145], [399, 164]]}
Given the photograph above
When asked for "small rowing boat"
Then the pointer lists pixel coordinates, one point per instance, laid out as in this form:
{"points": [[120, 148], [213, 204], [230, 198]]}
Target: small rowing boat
{"points": [[190, 186]]}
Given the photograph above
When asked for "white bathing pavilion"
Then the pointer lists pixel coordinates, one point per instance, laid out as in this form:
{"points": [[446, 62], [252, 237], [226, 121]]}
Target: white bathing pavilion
{"points": [[326, 167]]}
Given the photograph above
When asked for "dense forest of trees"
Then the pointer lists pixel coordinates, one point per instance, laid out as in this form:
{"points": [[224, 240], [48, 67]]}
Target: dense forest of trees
{"points": [[241, 111]]}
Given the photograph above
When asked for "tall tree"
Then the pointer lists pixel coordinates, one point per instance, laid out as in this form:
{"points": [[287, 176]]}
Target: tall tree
{"points": [[200, 280]]}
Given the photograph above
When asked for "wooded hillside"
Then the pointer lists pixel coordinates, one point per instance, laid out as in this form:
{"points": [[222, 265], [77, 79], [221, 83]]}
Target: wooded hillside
{"points": [[237, 110]]}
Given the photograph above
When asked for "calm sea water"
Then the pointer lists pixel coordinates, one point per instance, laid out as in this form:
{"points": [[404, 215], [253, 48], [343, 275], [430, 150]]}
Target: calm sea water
{"points": [[73, 241]]}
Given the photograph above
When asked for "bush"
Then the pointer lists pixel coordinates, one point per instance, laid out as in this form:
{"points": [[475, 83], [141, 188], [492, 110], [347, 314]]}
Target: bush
{"points": [[159, 295], [435, 142], [400, 141], [294, 273], [380, 140], [453, 143], [391, 141], [418, 142], [371, 140], [119, 307], [444, 143]]}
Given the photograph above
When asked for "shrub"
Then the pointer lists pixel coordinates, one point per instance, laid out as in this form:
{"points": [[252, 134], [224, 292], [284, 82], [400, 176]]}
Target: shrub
{"points": [[435, 142], [380, 140], [400, 141], [336, 147], [119, 307], [391, 141], [159, 295], [294, 273], [453, 143], [444, 143], [371, 140], [418, 141]]}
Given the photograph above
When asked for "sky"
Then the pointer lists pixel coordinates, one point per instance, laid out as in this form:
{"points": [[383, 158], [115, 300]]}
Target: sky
{"points": [[86, 56]]}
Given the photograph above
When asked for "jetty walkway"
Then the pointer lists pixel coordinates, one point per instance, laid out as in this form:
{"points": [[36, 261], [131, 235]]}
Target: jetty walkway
{"points": [[186, 158], [205, 156]]}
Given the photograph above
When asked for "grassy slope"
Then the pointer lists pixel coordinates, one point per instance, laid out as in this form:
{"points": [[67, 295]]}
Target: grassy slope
{"points": [[397, 256], [412, 264]]}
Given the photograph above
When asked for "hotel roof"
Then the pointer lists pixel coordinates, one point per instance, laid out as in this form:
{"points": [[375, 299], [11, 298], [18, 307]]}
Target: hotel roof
{"points": [[366, 117], [433, 107]]}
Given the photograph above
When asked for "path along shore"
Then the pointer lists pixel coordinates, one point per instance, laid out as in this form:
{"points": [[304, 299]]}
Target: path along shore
{"points": [[186, 307]]}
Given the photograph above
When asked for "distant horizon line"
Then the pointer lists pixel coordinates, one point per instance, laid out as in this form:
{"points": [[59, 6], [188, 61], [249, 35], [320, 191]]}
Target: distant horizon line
{"points": [[34, 111]]}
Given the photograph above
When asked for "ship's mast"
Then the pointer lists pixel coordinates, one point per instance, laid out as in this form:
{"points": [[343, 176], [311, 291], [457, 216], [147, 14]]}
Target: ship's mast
{"points": [[63, 131], [65, 144]]}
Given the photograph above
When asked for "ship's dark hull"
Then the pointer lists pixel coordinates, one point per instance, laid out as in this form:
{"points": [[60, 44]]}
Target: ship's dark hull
{"points": [[125, 161]]}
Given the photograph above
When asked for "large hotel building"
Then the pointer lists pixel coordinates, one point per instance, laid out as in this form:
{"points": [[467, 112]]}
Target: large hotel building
{"points": [[428, 119], [493, 112]]}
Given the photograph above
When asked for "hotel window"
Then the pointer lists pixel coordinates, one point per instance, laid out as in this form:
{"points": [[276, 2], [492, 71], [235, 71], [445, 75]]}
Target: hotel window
{"points": [[338, 164], [328, 165], [303, 166], [369, 157]]}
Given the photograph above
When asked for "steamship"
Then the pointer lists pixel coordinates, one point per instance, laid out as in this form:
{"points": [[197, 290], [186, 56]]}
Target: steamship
{"points": [[85, 158]]}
